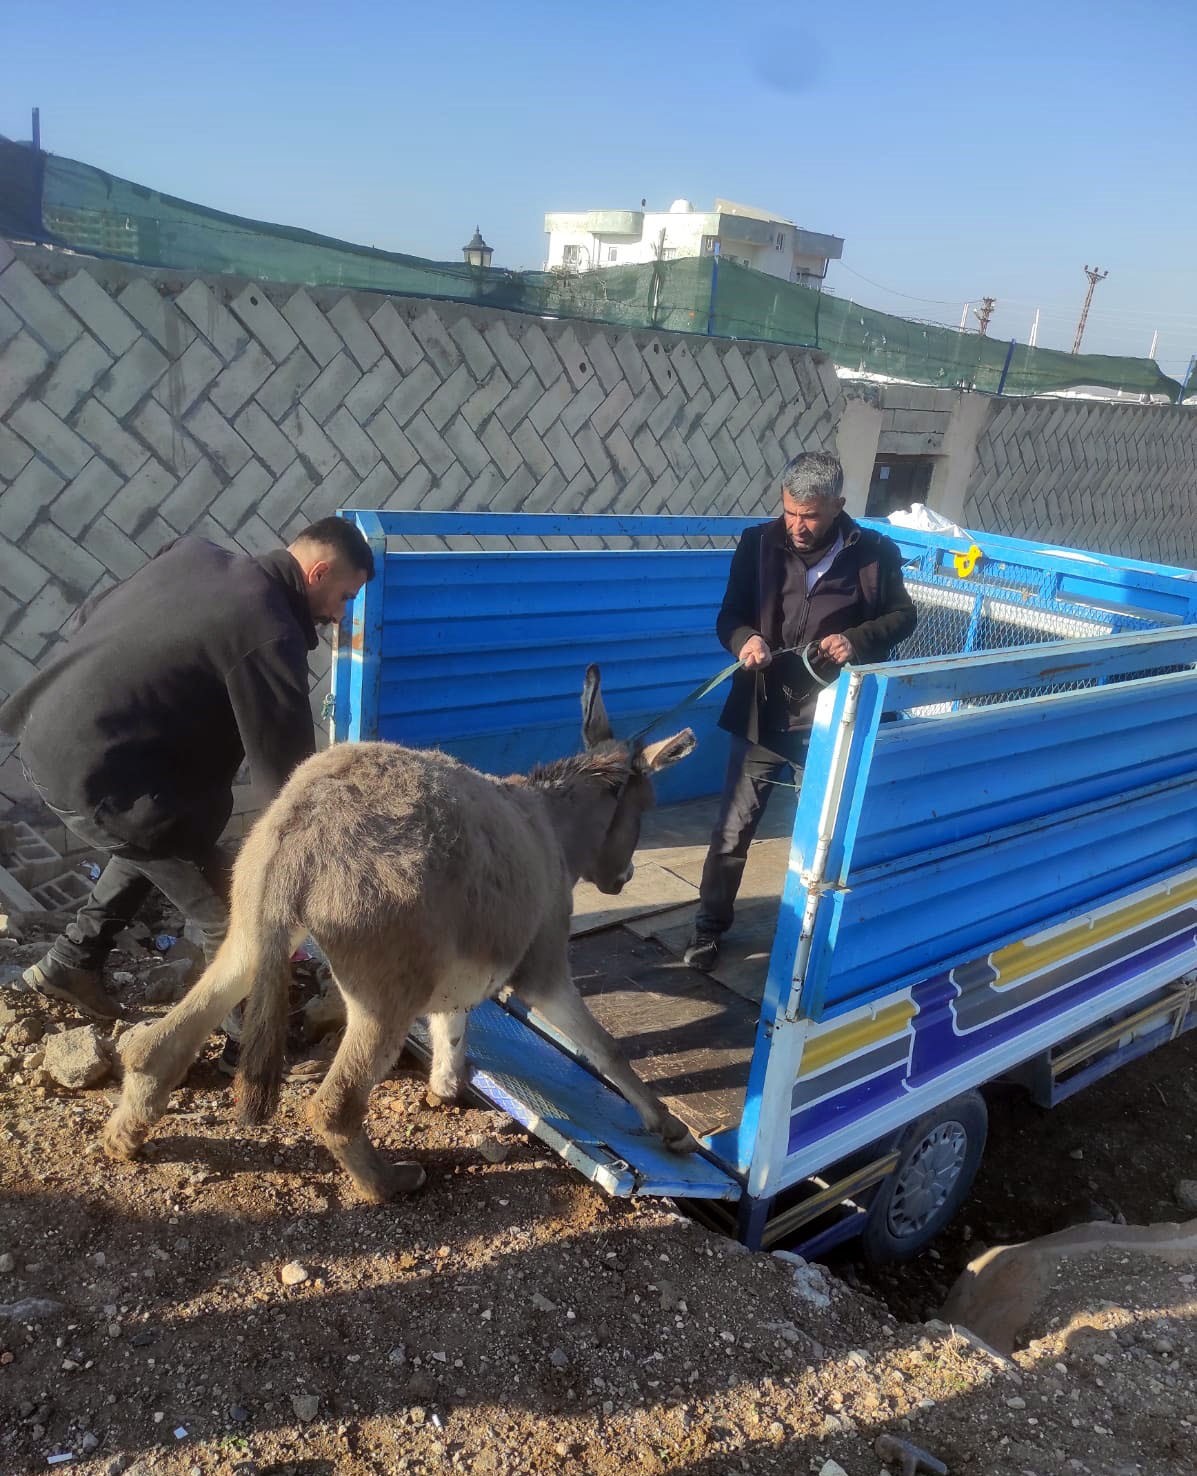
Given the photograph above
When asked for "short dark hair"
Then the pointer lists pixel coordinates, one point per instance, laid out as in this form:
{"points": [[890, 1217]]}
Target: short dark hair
{"points": [[342, 536], [812, 475]]}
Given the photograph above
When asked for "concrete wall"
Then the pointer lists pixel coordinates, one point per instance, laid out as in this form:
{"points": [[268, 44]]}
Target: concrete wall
{"points": [[1113, 478], [137, 405]]}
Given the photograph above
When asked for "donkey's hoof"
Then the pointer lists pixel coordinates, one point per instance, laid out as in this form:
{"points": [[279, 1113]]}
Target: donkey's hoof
{"points": [[393, 1180], [677, 1137], [123, 1139]]}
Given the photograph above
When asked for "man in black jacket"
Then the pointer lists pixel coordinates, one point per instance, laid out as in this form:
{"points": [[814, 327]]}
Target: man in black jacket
{"points": [[810, 579], [135, 730]]}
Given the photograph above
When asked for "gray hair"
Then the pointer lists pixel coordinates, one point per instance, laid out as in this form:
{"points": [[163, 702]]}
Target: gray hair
{"points": [[813, 476]]}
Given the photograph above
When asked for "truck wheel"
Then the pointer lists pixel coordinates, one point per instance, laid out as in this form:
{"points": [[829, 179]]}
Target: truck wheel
{"points": [[939, 1157]]}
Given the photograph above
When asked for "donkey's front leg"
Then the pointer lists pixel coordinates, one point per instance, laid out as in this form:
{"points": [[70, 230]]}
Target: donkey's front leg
{"points": [[557, 999], [447, 1076]]}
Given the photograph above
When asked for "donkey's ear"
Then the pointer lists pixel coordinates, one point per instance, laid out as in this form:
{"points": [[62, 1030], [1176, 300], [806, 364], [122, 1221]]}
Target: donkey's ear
{"points": [[596, 725], [658, 756]]}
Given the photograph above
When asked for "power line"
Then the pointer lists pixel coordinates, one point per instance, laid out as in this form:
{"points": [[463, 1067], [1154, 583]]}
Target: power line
{"points": [[1095, 275], [935, 301]]}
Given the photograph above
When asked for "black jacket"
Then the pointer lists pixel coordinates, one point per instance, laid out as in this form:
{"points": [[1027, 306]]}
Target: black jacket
{"points": [[165, 684], [861, 596]]}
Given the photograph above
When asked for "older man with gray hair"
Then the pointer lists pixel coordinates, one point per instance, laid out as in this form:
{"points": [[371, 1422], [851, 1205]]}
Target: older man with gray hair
{"points": [[810, 579]]}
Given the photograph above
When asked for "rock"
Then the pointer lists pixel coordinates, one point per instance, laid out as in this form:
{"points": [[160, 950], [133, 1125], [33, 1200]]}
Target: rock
{"points": [[542, 1303], [167, 982], [293, 1274], [491, 1148], [306, 1407], [26, 1032], [832, 1468], [559, 1358], [133, 938], [239, 1414], [8, 1262], [9, 976], [122, 978], [88, 1442], [1186, 1194], [117, 1465], [397, 1357], [79, 1058], [30, 1309], [907, 1458]]}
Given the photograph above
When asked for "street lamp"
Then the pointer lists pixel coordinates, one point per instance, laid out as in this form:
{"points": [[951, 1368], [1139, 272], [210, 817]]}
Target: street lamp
{"points": [[476, 252]]}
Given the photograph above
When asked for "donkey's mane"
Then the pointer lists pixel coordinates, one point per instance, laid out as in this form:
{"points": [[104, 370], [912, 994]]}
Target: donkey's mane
{"points": [[610, 764]]}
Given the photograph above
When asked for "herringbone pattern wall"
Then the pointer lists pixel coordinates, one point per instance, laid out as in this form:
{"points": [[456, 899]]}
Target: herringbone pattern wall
{"points": [[1117, 479], [135, 406]]}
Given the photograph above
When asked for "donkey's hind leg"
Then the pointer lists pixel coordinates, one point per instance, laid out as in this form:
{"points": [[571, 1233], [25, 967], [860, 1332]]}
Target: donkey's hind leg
{"points": [[155, 1058], [372, 1042], [447, 1076]]}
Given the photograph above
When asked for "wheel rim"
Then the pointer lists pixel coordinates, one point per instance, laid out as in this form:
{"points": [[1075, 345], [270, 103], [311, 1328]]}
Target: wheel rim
{"points": [[927, 1179]]}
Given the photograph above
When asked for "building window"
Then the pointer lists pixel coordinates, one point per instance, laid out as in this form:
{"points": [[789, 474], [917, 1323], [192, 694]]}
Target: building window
{"points": [[708, 245], [668, 253], [571, 256], [611, 253], [781, 240]]}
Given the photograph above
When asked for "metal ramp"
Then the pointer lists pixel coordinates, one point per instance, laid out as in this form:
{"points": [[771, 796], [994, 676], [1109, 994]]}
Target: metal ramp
{"points": [[517, 1070]]}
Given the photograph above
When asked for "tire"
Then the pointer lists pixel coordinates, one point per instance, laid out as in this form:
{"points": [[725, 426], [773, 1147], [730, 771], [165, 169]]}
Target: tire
{"points": [[939, 1155]]}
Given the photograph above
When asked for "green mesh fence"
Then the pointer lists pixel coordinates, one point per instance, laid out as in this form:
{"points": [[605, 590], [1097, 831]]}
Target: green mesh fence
{"points": [[63, 202]]}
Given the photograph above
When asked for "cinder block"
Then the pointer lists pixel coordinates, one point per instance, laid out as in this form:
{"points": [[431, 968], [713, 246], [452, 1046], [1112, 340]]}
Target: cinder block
{"points": [[443, 403], [116, 552], [38, 308], [27, 498], [222, 330], [429, 446], [165, 437], [36, 423], [169, 329], [236, 383], [352, 442], [15, 453], [371, 390], [545, 360], [264, 437], [241, 496], [412, 391], [355, 332], [115, 329], [145, 490], [85, 497], [309, 440], [482, 402], [603, 360], [41, 620], [399, 452], [189, 376], [316, 334], [265, 322], [287, 383], [72, 565], [105, 434], [191, 498], [517, 404], [466, 446], [329, 388], [288, 492], [217, 437], [22, 361], [133, 375], [397, 338], [74, 374], [478, 356]]}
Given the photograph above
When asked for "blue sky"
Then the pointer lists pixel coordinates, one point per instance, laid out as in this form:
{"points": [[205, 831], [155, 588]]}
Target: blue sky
{"points": [[959, 149]]}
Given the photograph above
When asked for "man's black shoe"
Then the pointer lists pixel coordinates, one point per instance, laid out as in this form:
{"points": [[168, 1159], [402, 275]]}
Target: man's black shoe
{"points": [[702, 952]]}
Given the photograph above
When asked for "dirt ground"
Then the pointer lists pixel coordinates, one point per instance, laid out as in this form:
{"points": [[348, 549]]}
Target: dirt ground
{"points": [[511, 1319]]}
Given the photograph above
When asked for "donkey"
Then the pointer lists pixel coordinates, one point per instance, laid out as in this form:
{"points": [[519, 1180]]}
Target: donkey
{"points": [[430, 887]]}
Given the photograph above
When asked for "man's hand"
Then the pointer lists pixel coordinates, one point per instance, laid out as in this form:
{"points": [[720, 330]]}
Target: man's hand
{"points": [[837, 649], [755, 653]]}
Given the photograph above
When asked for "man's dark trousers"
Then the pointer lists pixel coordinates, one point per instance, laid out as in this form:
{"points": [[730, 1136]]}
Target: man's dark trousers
{"points": [[753, 773], [185, 879]]}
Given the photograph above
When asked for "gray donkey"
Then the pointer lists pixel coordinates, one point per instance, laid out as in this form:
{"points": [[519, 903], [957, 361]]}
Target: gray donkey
{"points": [[429, 887]]}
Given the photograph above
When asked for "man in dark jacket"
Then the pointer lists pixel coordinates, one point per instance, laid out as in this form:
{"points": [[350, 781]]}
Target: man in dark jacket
{"points": [[811, 579], [135, 730]]}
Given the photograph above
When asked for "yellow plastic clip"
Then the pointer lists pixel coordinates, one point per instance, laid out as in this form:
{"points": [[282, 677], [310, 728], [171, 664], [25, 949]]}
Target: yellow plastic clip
{"points": [[965, 563]]}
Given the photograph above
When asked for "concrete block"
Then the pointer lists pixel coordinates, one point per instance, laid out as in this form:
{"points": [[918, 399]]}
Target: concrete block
{"points": [[115, 329], [116, 552], [316, 334], [165, 437], [501, 447], [145, 490], [234, 385], [371, 390], [221, 329], [66, 559], [15, 453], [218, 438], [685, 368], [412, 391], [443, 403], [189, 376], [309, 440], [352, 442], [563, 451], [51, 437], [192, 497], [514, 361], [574, 359], [612, 407], [448, 492], [10, 324], [43, 315], [532, 449], [287, 383], [329, 388], [15, 669], [105, 434], [43, 617], [133, 375], [169, 329], [478, 357], [399, 452], [241, 496], [666, 412], [379, 487], [264, 438], [256, 537], [466, 446], [583, 404], [654, 460], [397, 338], [74, 374], [519, 401], [265, 322], [356, 334], [410, 493], [86, 496], [27, 497], [710, 361], [21, 363], [154, 536], [288, 492], [429, 446], [333, 492], [433, 335], [550, 404], [490, 393], [742, 412], [631, 361]]}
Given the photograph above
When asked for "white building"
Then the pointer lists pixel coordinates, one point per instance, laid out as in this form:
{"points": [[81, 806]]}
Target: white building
{"points": [[582, 239]]}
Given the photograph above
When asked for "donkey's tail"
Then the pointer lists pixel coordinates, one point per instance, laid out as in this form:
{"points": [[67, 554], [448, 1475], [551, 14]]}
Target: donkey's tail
{"points": [[264, 923]]}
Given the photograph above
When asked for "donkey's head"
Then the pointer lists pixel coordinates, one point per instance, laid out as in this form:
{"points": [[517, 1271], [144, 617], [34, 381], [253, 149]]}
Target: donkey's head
{"points": [[622, 790]]}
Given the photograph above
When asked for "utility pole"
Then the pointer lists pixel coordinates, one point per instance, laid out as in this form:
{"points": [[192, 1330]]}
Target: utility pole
{"points": [[36, 129], [984, 313], [1034, 338], [1095, 275]]}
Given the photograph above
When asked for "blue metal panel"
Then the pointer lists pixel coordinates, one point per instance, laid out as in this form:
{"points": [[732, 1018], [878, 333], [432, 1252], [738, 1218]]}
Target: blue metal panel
{"points": [[358, 662]]}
